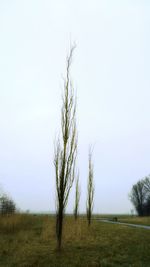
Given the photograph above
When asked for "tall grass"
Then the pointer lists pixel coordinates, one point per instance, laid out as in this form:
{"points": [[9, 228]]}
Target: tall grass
{"points": [[16, 222]]}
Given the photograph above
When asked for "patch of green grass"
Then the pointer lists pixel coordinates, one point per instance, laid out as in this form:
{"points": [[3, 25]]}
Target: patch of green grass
{"points": [[31, 243]]}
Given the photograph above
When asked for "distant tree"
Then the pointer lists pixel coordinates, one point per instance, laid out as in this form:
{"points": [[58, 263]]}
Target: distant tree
{"points": [[65, 151], [140, 196], [90, 189], [7, 205], [77, 198]]}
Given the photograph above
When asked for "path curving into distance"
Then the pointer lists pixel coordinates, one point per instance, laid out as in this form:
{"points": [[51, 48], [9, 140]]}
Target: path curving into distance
{"points": [[127, 224]]}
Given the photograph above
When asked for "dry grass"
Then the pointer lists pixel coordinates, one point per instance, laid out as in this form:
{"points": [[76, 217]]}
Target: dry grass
{"points": [[29, 241], [16, 222]]}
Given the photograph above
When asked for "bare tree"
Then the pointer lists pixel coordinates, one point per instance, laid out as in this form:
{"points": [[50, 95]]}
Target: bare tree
{"points": [[140, 196], [77, 199], [65, 151], [90, 189], [137, 196]]}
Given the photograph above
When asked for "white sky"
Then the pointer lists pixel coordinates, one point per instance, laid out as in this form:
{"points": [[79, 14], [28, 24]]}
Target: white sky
{"points": [[110, 71]]}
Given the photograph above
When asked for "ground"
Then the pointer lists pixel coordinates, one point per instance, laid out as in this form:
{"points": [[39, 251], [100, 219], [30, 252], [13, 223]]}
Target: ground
{"points": [[29, 241]]}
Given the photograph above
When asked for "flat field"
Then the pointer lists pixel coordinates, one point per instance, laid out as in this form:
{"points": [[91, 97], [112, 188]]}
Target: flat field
{"points": [[126, 218], [135, 220], [29, 241]]}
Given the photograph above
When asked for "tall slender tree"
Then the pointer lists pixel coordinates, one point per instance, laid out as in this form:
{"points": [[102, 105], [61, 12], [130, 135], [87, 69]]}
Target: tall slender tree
{"points": [[77, 198], [65, 151], [90, 189]]}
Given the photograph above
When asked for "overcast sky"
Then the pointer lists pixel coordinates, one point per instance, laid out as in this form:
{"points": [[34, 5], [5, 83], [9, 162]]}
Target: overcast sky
{"points": [[111, 73]]}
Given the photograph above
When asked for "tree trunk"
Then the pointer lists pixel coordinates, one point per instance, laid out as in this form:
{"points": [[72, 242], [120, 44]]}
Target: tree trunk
{"points": [[59, 227]]}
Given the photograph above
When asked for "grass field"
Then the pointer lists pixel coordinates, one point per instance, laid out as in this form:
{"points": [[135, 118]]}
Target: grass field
{"points": [[136, 220], [127, 219], [29, 241]]}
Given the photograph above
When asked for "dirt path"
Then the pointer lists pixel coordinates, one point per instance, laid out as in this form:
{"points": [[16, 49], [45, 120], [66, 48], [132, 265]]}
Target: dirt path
{"points": [[127, 224]]}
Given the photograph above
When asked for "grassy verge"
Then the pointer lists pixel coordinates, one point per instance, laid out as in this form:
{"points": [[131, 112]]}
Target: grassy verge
{"points": [[136, 220], [126, 218], [29, 241]]}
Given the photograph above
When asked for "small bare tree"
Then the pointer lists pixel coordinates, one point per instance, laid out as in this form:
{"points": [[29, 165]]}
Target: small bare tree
{"points": [[65, 151], [90, 189], [77, 199]]}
